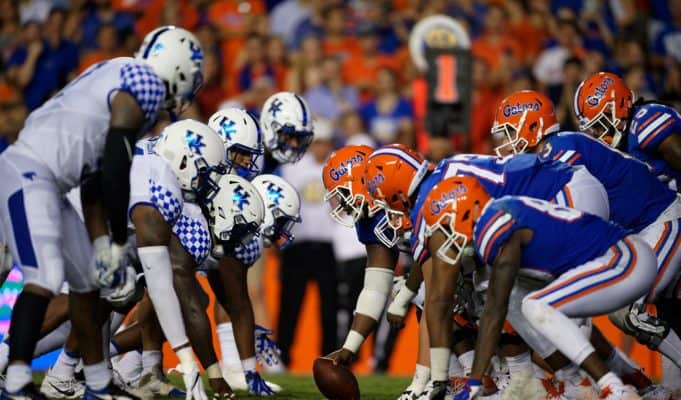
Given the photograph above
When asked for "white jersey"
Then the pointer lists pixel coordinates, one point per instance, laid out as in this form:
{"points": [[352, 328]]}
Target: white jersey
{"points": [[68, 132], [153, 183]]}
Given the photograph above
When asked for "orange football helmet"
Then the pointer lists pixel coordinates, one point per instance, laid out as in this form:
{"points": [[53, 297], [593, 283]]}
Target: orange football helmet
{"points": [[343, 177], [603, 104], [393, 174], [522, 120], [452, 207]]}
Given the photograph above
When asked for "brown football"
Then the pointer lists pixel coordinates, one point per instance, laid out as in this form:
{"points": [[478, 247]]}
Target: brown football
{"points": [[335, 382]]}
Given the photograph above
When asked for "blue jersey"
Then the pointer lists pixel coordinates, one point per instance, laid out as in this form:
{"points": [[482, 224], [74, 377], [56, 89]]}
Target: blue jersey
{"points": [[636, 197], [524, 174], [651, 125], [564, 238]]}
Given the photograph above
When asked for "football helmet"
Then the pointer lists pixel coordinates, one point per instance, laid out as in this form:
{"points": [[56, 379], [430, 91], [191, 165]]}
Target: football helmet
{"points": [[236, 212], [241, 133], [603, 104], [282, 209], [452, 207], [522, 120], [175, 55], [343, 178], [287, 124], [392, 175], [195, 154]]}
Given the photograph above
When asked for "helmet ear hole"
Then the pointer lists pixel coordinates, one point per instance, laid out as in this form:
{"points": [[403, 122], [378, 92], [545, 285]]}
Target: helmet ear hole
{"points": [[182, 76], [466, 215], [183, 164], [533, 126]]}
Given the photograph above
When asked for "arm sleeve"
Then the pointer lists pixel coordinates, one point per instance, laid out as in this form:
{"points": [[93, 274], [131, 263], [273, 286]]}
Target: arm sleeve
{"points": [[653, 125], [491, 231], [159, 277], [116, 180]]}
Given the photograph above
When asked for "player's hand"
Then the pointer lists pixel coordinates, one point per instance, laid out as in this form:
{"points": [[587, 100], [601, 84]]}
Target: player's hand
{"points": [[108, 258], [267, 351], [342, 357], [5, 258], [221, 389], [256, 385], [470, 391], [194, 384], [122, 294]]}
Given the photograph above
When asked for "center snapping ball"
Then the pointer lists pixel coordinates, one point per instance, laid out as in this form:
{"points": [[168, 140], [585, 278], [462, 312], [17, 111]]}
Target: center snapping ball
{"points": [[335, 382]]}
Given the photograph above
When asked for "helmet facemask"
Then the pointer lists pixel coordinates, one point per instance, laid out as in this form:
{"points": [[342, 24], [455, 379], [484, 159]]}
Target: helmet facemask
{"points": [[204, 185], [247, 170], [347, 208], [290, 144], [605, 125], [391, 226], [454, 241], [511, 134], [279, 233]]}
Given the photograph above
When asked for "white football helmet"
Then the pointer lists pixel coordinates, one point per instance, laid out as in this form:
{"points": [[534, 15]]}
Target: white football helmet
{"points": [[195, 154], [236, 212], [282, 209], [241, 134], [175, 55], [286, 121]]}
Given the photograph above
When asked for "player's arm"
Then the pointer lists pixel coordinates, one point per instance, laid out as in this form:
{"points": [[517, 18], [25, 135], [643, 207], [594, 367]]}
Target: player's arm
{"points": [[193, 303], [670, 149], [439, 305], [153, 237], [504, 271], [397, 310], [378, 277], [127, 119], [94, 212]]}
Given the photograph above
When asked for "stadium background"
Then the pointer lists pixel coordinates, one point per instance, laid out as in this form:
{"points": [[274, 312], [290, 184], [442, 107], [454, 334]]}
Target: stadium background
{"points": [[349, 59]]}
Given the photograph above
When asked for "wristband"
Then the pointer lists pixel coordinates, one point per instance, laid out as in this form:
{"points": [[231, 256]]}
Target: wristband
{"points": [[353, 341]]}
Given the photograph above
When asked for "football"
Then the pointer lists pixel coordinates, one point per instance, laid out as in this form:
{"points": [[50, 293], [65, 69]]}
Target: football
{"points": [[335, 382]]}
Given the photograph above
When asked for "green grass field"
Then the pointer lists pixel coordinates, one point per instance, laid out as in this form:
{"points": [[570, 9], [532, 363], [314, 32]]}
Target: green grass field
{"points": [[375, 387]]}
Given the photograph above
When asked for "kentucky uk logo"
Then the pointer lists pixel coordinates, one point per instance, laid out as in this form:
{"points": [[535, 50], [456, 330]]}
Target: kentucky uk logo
{"points": [[240, 197], [194, 141]]}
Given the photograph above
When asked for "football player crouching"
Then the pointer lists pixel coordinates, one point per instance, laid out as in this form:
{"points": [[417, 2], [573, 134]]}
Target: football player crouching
{"points": [[619, 266]]}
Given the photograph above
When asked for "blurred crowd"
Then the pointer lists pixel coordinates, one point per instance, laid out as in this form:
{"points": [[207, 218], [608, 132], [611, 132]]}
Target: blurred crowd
{"points": [[348, 58]]}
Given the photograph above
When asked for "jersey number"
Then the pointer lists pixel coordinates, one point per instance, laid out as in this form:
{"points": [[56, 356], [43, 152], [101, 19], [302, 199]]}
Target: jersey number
{"points": [[557, 212]]}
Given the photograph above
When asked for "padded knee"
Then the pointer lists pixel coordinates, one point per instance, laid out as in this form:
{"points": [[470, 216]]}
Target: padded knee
{"points": [[377, 285]]}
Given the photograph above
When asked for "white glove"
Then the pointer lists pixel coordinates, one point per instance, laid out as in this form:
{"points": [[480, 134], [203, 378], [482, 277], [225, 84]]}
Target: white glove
{"points": [[122, 294], [5, 258], [108, 259], [194, 385]]}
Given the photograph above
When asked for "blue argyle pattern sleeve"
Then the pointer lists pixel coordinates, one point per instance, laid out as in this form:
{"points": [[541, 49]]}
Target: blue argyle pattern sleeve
{"points": [[148, 88], [249, 253], [194, 236], [169, 204]]}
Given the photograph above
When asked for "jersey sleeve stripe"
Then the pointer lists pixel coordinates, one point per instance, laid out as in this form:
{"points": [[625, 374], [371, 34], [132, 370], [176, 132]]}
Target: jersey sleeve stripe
{"points": [[672, 227], [644, 133], [487, 225], [491, 231], [657, 132], [574, 158], [649, 120], [500, 231], [566, 156], [557, 155]]}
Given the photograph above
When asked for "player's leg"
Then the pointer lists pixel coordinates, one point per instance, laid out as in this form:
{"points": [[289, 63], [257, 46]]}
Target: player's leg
{"points": [[293, 284], [30, 215], [323, 268], [621, 275], [257, 293]]}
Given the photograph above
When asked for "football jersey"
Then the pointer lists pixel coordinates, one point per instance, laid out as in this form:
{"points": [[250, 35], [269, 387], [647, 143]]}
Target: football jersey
{"points": [[153, 183], [635, 195], [651, 124], [68, 132], [524, 174], [563, 238]]}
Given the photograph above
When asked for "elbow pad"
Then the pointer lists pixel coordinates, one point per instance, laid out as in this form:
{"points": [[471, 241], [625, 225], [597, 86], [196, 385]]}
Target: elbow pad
{"points": [[377, 285]]}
